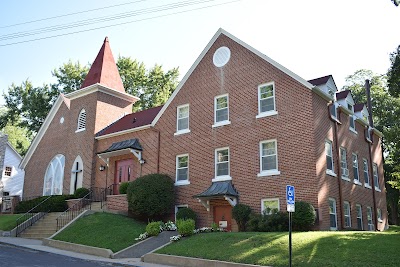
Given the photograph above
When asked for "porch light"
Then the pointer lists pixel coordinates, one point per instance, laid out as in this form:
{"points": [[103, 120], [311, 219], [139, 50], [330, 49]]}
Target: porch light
{"points": [[102, 168], [142, 161]]}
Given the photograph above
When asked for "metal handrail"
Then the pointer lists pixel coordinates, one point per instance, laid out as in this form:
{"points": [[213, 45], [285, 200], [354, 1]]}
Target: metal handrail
{"points": [[30, 217], [106, 191], [72, 212]]}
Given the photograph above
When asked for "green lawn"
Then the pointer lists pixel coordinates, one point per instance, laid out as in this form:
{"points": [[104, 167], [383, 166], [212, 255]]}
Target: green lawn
{"points": [[309, 248], [7, 221], [103, 230]]}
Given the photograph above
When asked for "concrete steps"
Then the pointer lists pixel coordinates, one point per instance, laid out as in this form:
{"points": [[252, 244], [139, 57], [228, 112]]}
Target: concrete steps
{"points": [[43, 228]]}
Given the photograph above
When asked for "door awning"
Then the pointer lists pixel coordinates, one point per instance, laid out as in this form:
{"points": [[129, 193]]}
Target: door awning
{"points": [[223, 189], [131, 146]]}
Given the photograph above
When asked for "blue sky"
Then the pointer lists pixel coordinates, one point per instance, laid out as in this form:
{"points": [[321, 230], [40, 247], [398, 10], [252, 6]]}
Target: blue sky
{"points": [[312, 38]]}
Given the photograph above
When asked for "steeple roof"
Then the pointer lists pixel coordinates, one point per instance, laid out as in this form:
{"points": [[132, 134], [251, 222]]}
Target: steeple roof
{"points": [[104, 70]]}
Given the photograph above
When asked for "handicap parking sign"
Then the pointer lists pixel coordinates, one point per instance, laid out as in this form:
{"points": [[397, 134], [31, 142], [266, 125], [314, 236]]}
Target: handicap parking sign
{"points": [[290, 195]]}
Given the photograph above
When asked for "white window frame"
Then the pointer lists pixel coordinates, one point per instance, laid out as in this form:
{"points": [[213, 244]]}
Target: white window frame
{"points": [[272, 171], [347, 214], [180, 206], [8, 170], [359, 216], [330, 170], [181, 182], [269, 199], [366, 173], [351, 118], [224, 122], [371, 225], [376, 177], [379, 215], [81, 121], [58, 160], [332, 200], [344, 168], [182, 131], [356, 178], [270, 112], [221, 177]]}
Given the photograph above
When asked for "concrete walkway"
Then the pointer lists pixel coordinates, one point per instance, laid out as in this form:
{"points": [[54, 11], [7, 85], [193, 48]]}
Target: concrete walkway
{"points": [[37, 245]]}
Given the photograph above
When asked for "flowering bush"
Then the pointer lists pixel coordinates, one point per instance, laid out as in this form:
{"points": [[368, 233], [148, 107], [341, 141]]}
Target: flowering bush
{"points": [[175, 238], [142, 236], [169, 226]]}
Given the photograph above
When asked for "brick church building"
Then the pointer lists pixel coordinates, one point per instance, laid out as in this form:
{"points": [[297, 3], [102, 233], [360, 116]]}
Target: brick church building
{"points": [[238, 128]]}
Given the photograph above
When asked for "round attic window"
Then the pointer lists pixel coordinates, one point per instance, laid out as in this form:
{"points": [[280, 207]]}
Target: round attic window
{"points": [[62, 120], [221, 56]]}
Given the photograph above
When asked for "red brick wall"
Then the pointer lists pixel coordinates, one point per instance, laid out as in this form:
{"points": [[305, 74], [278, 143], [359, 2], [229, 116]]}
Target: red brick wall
{"points": [[117, 203]]}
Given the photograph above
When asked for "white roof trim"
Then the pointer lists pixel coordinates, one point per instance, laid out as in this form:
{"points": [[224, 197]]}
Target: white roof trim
{"points": [[13, 149], [123, 132], [212, 41], [99, 87], [41, 131]]}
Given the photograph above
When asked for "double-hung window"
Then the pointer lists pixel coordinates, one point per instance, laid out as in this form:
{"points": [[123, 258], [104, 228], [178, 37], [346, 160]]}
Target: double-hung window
{"points": [[182, 119], [359, 217], [343, 164], [356, 175], [347, 216], [182, 169], [379, 214], [222, 164], [269, 205], [268, 158], [376, 177], [332, 214], [351, 117], [366, 174], [266, 100], [221, 110], [369, 218], [329, 158]]}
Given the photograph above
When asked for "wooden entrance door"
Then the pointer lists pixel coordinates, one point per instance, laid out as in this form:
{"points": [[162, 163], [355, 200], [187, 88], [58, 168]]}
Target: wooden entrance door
{"points": [[223, 217], [123, 173]]}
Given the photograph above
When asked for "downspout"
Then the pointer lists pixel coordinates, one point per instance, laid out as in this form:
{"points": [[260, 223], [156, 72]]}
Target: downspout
{"points": [[371, 123], [339, 173]]}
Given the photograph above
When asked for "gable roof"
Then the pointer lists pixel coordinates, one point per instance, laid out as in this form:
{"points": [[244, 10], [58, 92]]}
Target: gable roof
{"points": [[342, 94], [359, 107], [131, 121], [104, 70], [320, 80], [245, 45]]}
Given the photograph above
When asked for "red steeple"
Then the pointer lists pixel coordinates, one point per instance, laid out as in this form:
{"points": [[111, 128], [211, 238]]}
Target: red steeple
{"points": [[104, 70]]}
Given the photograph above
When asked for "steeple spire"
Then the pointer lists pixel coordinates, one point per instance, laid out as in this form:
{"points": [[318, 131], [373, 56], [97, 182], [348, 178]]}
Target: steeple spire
{"points": [[104, 70]]}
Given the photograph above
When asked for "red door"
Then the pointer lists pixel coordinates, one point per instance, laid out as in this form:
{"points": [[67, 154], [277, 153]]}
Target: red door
{"points": [[223, 217], [123, 173]]}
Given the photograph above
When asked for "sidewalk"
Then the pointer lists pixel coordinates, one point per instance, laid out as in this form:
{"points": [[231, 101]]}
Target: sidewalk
{"points": [[37, 245]]}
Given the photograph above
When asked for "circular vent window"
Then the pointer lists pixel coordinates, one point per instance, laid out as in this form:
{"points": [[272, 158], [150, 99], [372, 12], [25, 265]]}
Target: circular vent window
{"points": [[221, 56]]}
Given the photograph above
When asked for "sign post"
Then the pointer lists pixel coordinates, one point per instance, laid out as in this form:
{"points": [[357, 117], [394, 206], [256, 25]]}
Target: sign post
{"points": [[290, 208]]}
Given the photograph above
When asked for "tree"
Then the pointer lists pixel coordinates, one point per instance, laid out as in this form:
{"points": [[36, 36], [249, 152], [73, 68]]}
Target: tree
{"points": [[394, 73], [386, 117], [17, 136]]}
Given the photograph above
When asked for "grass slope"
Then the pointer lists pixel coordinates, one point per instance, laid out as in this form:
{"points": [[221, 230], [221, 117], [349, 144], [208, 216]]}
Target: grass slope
{"points": [[309, 248], [103, 230], [7, 221]]}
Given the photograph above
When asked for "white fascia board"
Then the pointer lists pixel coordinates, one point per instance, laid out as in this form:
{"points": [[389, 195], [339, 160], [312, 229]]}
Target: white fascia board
{"points": [[205, 50], [377, 132], [41, 132], [322, 93], [99, 87], [361, 121], [123, 132]]}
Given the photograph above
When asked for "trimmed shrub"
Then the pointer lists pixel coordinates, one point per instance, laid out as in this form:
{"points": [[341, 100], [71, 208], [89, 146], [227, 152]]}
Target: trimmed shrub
{"points": [[81, 192], [185, 227], [185, 214], [304, 217], [241, 214], [153, 228], [274, 222], [123, 187], [151, 197], [55, 203]]}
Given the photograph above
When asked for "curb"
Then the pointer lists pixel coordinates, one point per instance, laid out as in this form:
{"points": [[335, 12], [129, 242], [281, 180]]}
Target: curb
{"points": [[101, 252], [187, 261]]}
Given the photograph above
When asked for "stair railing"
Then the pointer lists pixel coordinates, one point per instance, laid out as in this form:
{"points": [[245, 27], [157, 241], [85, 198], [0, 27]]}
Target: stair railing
{"points": [[30, 217], [72, 212], [107, 191]]}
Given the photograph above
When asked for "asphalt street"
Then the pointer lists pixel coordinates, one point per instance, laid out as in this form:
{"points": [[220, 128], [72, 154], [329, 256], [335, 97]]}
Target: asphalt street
{"points": [[12, 256]]}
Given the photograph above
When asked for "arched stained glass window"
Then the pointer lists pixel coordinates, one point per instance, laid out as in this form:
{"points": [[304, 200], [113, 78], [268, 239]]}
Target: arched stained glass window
{"points": [[54, 177]]}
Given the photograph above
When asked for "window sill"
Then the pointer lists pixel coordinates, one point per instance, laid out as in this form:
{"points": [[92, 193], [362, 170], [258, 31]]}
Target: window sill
{"points": [[222, 178], [267, 114], [377, 189], [182, 132], [331, 173], [353, 130], [221, 123], [357, 182], [179, 183], [80, 130], [367, 186], [346, 179], [268, 173]]}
